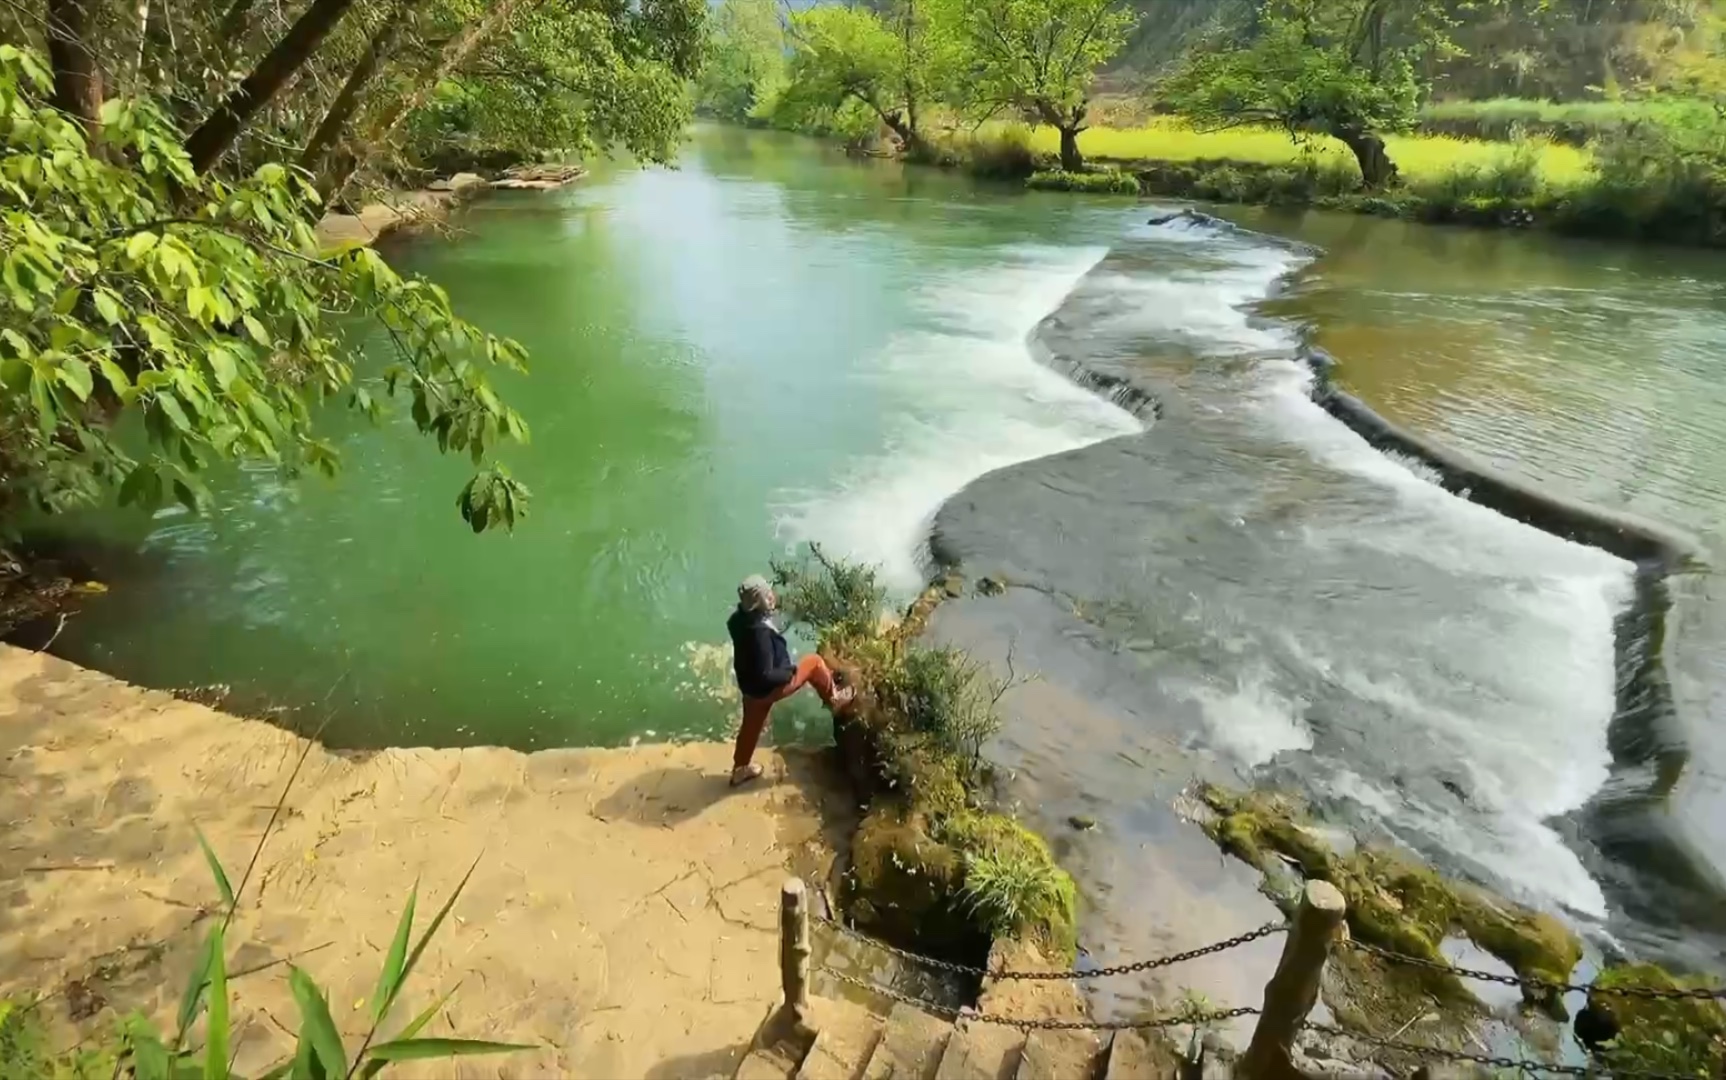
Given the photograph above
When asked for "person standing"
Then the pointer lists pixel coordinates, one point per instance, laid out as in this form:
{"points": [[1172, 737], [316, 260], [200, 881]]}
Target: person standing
{"points": [[765, 672]]}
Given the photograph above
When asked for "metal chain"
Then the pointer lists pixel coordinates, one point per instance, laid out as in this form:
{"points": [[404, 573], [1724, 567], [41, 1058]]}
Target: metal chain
{"points": [[1494, 1062], [1146, 965], [1037, 1024], [1701, 993], [1098, 973]]}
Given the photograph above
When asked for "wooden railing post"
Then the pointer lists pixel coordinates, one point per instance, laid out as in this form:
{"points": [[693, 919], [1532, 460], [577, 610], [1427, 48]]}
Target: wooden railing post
{"points": [[794, 946], [1293, 990]]}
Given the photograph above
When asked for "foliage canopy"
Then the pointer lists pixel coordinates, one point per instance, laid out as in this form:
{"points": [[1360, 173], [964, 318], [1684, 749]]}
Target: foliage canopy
{"points": [[136, 288]]}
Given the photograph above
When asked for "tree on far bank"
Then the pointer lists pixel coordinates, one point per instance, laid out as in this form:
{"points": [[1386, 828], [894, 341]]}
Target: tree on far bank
{"points": [[745, 66], [892, 64], [1343, 68], [1037, 58]]}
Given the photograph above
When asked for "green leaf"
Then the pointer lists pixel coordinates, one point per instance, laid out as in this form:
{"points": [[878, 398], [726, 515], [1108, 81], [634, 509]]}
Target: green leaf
{"points": [[150, 1059], [108, 307], [257, 331], [315, 1023], [222, 364], [188, 497], [226, 890], [140, 245], [390, 979], [194, 993], [419, 1049], [374, 1066], [74, 375], [170, 405], [216, 1032]]}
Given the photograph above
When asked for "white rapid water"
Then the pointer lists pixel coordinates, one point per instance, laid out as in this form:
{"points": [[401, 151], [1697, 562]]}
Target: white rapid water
{"points": [[965, 398], [1315, 612]]}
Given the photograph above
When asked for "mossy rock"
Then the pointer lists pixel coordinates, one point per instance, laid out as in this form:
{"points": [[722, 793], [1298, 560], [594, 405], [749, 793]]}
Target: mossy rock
{"points": [[1395, 902], [1685, 1036]]}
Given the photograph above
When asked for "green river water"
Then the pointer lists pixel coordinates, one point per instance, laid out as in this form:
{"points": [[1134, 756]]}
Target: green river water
{"points": [[774, 344]]}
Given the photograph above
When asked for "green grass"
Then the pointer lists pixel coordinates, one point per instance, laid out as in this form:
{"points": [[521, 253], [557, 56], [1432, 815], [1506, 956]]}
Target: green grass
{"points": [[1573, 122], [1418, 157]]}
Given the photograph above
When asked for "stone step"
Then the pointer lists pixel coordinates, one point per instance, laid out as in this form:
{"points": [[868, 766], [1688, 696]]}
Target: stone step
{"points": [[981, 1052], [1133, 1055], [845, 1038], [910, 1046], [766, 1063], [1060, 1055]]}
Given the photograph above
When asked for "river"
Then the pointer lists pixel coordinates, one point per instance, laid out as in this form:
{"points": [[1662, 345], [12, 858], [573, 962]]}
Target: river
{"points": [[773, 344]]}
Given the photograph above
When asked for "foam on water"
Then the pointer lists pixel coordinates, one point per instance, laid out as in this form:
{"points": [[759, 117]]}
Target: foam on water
{"points": [[967, 398]]}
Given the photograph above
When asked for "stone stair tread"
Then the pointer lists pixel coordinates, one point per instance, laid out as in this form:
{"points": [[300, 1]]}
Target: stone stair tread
{"points": [[1133, 1055], [1059, 1055], [910, 1046], [845, 1038], [980, 1052], [766, 1063]]}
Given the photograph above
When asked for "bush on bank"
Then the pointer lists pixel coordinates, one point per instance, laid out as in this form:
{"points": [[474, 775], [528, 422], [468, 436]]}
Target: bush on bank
{"points": [[934, 867]]}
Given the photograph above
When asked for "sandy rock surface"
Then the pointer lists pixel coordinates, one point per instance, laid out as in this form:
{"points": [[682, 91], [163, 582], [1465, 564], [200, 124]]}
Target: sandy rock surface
{"points": [[621, 915]]}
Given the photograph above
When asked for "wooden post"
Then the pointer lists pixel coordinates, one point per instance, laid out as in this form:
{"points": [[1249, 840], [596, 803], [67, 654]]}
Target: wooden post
{"points": [[1293, 990], [794, 946]]}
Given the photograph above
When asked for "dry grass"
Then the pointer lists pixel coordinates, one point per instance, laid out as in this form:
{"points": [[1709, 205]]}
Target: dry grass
{"points": [[1419, 157]]}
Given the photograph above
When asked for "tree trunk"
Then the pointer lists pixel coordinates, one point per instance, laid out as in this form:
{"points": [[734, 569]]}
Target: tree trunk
{"points": [[77, 79], [217, 134], [1377, 171], [1071, 159], [347, 99], [455, 54]]}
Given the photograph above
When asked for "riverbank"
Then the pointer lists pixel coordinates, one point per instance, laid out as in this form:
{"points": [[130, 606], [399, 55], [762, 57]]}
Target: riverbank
{"points": [[621, 916]]}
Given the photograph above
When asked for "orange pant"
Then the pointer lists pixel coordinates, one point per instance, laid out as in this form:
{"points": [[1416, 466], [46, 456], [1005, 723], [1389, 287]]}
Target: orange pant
{"points": [[812, 670]]}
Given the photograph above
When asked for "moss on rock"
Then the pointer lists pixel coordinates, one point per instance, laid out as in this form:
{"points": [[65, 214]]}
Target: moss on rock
{"points": [[905, 885], [1684, 1036], [1394, 902]]}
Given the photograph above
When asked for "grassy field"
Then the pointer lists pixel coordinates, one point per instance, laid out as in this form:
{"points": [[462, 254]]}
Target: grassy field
{"points": [[1419, 157]]}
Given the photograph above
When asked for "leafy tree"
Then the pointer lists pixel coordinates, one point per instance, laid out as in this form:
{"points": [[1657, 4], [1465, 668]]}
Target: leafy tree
{"points": [[1037, 57], [135, 290], [892, 64], [1344, 68], [746, 64]]}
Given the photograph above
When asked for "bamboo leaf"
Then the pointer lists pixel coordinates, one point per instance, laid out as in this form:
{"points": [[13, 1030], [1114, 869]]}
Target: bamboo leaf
{"points": [[316, 1026], [437, 920], [390, 979], [216, 870], [419, 1049], [194, 994], [216, 1028]]}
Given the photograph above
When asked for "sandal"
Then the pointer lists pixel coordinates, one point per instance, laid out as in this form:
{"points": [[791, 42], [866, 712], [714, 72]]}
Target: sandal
{"points": [[742, 776]]}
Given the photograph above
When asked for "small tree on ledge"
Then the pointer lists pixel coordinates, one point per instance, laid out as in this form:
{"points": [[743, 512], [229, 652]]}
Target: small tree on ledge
{"points": [[1343, 68], [1037, 58]]}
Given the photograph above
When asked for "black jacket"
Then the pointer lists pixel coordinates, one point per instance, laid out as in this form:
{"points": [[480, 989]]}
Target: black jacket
{"points": [[759, 654]]}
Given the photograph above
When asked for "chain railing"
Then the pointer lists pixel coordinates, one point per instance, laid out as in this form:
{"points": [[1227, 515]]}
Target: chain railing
{"points": [[1080, 974], [1289, 996], [1649, 992]]}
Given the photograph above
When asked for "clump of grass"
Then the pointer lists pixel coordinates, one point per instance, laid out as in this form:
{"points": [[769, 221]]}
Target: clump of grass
{"points": [[1011, 882], [1001, 152], [1099, 182]]}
